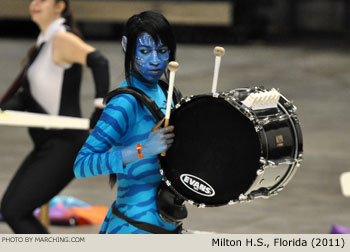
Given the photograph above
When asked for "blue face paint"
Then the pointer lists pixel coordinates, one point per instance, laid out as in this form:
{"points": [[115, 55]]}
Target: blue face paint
{"points": [[151, 58]]}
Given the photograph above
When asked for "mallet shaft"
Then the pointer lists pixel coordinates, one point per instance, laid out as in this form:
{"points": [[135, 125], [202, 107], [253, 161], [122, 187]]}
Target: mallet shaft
{"points": [[173, 67]]}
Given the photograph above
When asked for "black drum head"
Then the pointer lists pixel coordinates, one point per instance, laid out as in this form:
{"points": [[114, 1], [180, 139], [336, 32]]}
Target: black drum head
{"points": [[215, 154]]}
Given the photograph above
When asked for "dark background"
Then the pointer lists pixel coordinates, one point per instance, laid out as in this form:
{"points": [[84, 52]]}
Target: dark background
{"points": [[268, 20]]}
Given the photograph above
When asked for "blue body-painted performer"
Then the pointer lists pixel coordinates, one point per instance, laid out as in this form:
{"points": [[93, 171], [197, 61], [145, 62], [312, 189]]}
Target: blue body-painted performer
{"points": [[123, 142]]}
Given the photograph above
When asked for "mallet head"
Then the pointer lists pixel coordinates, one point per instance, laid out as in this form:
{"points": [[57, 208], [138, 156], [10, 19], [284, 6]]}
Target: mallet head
{"points": [[173, 66], [219, 51]]}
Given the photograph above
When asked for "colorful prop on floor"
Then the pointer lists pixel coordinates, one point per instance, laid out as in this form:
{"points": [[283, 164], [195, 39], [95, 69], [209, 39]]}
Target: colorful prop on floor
{"points": [[337, 229], [66, 210]]}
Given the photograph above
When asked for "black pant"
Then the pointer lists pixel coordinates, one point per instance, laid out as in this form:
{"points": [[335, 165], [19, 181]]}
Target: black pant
{"points": [[42, 175]]}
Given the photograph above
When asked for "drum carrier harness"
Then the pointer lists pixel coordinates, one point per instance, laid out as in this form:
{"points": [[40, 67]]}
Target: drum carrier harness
{"points": [[170, 207]]}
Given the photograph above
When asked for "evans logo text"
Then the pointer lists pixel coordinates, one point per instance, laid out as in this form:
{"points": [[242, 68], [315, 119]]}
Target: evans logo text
{"points": [[197, 185]]}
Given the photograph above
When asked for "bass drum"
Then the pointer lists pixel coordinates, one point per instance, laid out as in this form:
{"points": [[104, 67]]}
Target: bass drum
{"points": [[226, 152]]}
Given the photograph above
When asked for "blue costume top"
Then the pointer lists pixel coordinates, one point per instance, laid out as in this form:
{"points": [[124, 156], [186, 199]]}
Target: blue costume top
{"points": [[125, 122]]}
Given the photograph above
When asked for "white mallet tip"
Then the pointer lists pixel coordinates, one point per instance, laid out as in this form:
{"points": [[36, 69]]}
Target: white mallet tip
{"points": [[219, 51], [173, 66]]}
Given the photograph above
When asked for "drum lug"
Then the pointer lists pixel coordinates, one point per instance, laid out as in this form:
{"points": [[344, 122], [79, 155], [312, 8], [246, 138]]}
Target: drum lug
{"points": [[216, 95], [289, 106], [267, 162], [168, 183], [232, 202], [262, 161], [201, 205], [279, 189], [282, 117], [251, 197], [273, 194], [298, 163], [161, 172], [260, 172], [287, 162], [291, 161], [258, 128], [232, 92], [243, 198], [177, 105], [187, 98], [271, 163], [265, 121], [292, 108], [295, 117], [261, 193], [299, 159], [190, 202]]}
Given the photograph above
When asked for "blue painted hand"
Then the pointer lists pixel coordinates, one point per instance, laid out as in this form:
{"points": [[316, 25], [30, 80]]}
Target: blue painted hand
{"points": [[158, 141]]}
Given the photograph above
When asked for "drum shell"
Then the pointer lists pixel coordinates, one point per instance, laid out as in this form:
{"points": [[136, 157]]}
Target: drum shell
{"points": [[282, 150]]}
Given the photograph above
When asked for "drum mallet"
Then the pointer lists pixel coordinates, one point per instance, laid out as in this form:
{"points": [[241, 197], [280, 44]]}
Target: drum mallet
{"points": [[173, 66], [218, 52]]}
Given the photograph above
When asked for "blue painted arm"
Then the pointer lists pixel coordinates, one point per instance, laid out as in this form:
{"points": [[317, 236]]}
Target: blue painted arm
{"points": [[95, 157]]}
